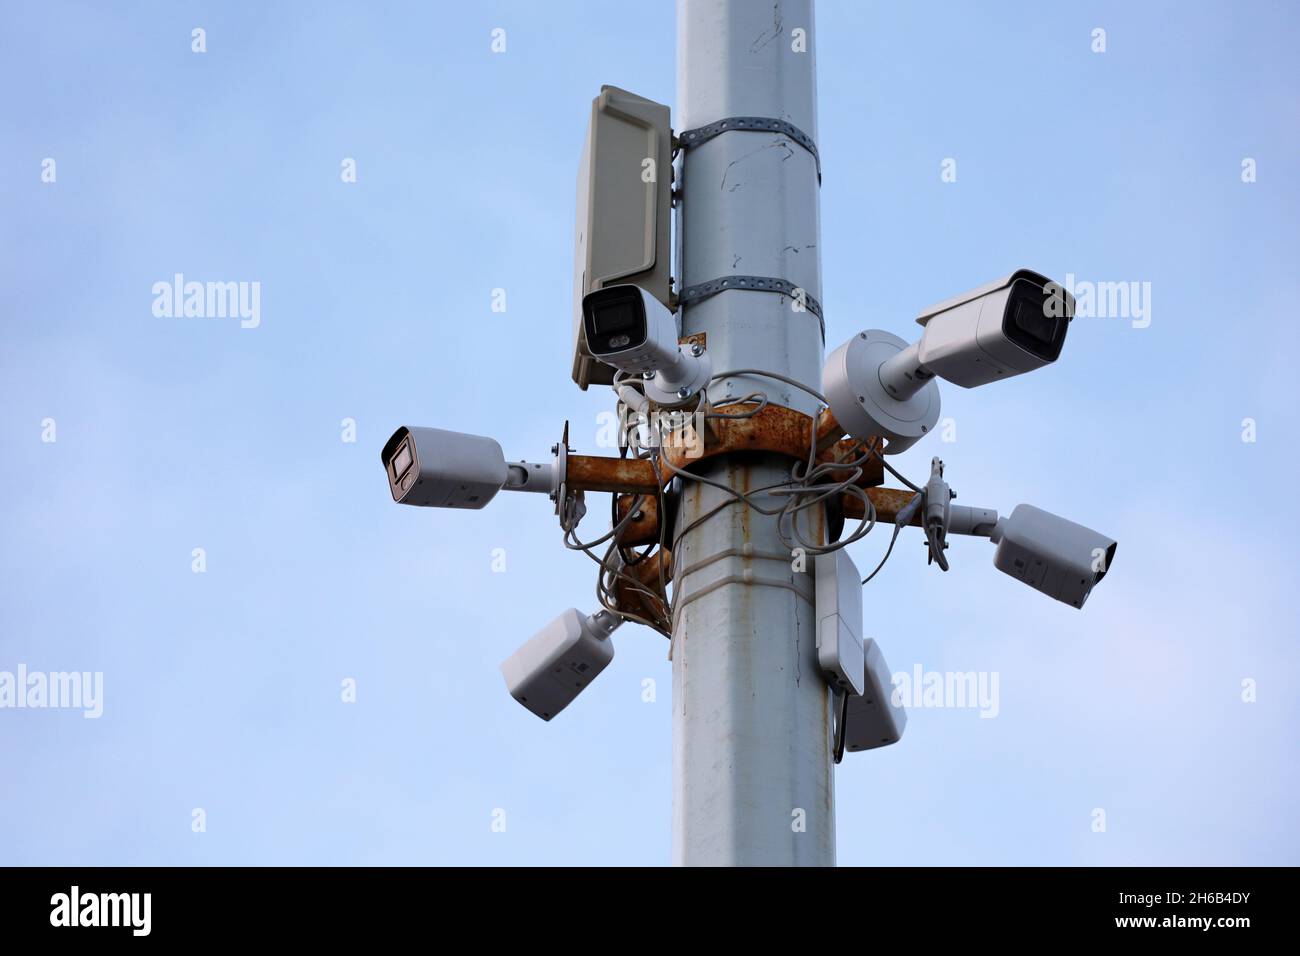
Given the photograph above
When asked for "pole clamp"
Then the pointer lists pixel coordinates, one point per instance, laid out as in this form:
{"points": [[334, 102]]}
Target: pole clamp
{"points": [[704, 290], [753, 124]]}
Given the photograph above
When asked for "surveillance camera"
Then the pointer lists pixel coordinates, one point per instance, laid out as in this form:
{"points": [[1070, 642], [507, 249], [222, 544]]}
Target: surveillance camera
{"points": [[1062, 559], [560, 660], [627, 327], [442, 469], [873, 719], [878, 385], [1010, 326]]}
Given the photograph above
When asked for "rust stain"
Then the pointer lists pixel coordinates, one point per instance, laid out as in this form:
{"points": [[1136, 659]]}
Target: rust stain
{"points": [[775, 429], [647, 573], [596, 473], [778, 430], [888, 502], [638, 531]]}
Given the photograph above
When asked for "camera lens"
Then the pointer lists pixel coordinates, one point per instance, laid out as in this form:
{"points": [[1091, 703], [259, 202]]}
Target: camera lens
{"points": [[1031, 320], [402, 460], [614, 319], [1036, 320]]}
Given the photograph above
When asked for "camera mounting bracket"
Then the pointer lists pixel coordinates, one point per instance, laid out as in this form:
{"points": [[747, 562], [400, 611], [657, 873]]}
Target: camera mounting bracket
{"points": [[750, 124], [704, 290]]}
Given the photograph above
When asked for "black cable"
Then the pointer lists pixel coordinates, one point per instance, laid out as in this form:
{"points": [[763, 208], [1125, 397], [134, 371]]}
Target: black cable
{"points": [[839, 730], [888, 552], [892, 470]]}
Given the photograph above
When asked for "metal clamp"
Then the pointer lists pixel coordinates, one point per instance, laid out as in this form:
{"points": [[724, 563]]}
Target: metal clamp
{"points": [[704, 290], [755, 124]]}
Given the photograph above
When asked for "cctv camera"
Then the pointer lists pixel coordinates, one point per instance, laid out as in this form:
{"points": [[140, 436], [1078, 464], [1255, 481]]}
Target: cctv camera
{"points": [[1010, 326], [878, 385], [442, 469], [1062, 559], [560, 660], [873, 719], [625, 326]]}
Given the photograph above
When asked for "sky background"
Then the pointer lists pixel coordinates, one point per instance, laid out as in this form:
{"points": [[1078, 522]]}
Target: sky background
{"points": [[222, 689]]}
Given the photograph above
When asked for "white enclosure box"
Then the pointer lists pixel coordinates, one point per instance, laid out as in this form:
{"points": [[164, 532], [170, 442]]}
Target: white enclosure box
{"points": [[839, 621], [624, 209], [874, 719]]}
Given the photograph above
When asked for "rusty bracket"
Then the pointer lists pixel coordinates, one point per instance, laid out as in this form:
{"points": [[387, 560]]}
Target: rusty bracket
{"points": [[647, 572], [888, 503], [643, 528], [774, 429]]}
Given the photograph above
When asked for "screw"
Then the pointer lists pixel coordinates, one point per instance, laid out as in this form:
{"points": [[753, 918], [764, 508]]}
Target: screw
{"points": [[696, 350], [647, 375], [683, 392], [637, 515]]}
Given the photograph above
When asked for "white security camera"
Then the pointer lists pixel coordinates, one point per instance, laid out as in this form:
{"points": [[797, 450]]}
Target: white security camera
{"points": [[627, 327], [1010, 326], [878, 385], [873, 719], [1062, 559], [560, 660], [442, 469]]}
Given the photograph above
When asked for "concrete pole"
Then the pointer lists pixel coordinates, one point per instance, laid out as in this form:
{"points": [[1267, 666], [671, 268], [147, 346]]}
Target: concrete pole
{"points": [[752, 722]]}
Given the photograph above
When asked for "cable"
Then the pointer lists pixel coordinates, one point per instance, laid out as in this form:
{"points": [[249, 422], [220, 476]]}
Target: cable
{"points": [[809, 485], [774, 375], [888, 552], [840, 727]]}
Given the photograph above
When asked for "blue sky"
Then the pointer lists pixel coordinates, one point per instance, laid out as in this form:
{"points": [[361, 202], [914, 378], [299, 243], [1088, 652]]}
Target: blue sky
{"points": [[222, 689]]}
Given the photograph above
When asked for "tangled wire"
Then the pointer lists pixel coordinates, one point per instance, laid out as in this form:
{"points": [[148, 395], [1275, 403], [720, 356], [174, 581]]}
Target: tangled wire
{"points": [[809, 484]]}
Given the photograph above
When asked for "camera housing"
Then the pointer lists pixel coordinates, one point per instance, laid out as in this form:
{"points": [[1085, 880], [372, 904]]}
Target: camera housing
{"points": [[627, 327], [1062, 559], [560, 661], [1010, 326], [873, 718], [442, 469], [878, 385]]}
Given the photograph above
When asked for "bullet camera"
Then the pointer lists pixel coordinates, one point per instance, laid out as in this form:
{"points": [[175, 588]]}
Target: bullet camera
{"points": [[627, 327], [442, 469], [1062, 559], [879, 385], [557, 664], [1010, 326]]}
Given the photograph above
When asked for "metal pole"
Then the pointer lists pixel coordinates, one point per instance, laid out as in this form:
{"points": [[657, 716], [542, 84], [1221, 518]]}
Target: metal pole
{"points": [[752, 723]]}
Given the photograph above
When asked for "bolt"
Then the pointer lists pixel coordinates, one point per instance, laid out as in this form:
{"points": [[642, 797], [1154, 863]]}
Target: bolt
{"points": [[637, 515], [683, 392], [647, 375], [696, 350]]}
